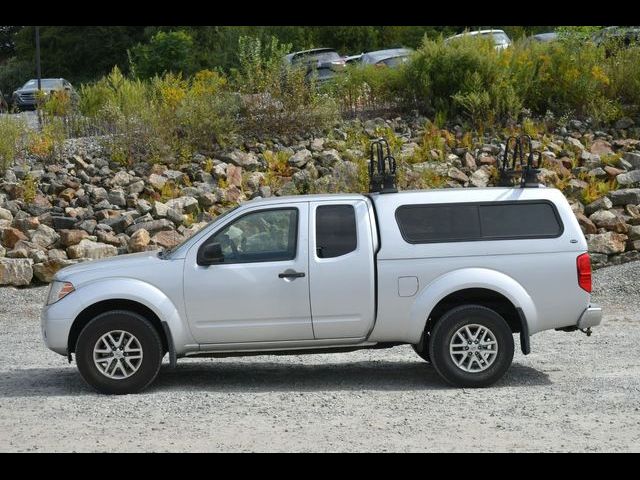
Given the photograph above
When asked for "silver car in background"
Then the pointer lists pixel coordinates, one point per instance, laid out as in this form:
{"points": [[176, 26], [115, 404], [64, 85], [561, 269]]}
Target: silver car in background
{"points": [[500, 39], [391, 57]]}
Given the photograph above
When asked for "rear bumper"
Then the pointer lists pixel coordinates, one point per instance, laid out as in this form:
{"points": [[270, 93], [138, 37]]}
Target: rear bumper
{"points": [[591, 317]]}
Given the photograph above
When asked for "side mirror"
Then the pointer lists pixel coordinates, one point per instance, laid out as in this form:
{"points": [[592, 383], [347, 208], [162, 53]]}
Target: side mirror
{"points": [[210, 254]]}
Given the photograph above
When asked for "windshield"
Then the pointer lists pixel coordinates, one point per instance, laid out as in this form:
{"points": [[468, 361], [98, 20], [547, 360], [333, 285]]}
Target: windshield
{"points": [[166, 253], [316, 57], [45, 83], [499, 38]]}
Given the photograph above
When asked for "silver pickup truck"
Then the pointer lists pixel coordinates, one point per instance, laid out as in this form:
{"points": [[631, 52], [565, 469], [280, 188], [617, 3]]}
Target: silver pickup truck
{"points": [[453, 272]]}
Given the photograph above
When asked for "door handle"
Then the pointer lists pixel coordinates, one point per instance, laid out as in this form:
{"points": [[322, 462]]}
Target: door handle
{"points": [[290, 274]]}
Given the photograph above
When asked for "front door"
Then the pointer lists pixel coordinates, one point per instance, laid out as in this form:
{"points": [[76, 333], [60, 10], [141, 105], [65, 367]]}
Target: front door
{"points": [[259, 292]]}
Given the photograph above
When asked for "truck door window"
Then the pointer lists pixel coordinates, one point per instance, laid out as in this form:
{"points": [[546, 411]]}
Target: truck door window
{"points": [[263, 236], [336, 233]]}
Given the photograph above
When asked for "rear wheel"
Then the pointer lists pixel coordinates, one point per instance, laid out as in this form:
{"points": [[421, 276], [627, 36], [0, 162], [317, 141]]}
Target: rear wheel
{"points": [[471, 346], [119, 352]]}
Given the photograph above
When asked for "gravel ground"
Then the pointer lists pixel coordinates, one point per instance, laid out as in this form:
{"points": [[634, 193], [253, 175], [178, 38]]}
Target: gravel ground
{"points": [[573, 393]]}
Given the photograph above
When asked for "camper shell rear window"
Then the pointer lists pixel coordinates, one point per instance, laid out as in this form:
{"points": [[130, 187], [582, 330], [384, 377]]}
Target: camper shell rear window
{"points": [[478, 221]]}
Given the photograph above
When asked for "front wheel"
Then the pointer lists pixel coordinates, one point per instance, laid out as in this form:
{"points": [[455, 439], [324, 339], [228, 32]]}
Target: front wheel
{"points": [[471, 346], [119, 352]]}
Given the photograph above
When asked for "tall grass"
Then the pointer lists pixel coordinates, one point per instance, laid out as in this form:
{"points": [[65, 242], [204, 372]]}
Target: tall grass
{"points": [[12, 140]]}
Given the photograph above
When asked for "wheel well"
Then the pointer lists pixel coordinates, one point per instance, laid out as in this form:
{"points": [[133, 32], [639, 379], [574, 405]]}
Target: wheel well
{"points": [[478, 296], [96, 309]]}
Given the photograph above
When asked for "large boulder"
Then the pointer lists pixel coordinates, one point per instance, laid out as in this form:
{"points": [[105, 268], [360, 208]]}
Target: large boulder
{"points": [[480, 178], [157, 181], [234, 175], [300, 158], [628, 178], [167, 239], [601, 147], [183, 204], [330, 157], [152, 227], [633, 158], [16, 271], [608, 243], [43, 236], [139, 241], [609, 220], [93, 250], [602, 203], [11, 236], [586, 225], [6, 215], [248, 161], [625, 196], [46, 270]]}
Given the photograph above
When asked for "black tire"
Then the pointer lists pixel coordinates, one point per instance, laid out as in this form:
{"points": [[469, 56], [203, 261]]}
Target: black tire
{"points": [[145, 333], [449, 324]]}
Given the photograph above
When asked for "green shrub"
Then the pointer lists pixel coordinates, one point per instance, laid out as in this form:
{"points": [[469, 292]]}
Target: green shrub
{"points": [[561, 77], [623, 71], [467, 76], [165, 52], [12, 134], [163, 119], [368, 87], [276, 98]]}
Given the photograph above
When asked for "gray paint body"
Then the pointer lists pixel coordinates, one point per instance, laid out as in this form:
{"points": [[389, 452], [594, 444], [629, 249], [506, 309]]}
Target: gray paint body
{"points": [[246, 307]]}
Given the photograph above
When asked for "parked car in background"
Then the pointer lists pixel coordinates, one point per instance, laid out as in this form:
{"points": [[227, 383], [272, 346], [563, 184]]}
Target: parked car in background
{"points": [[616, 37], [390, 58], [545, 37], [25, 97], [324, 63], [500, 39]]}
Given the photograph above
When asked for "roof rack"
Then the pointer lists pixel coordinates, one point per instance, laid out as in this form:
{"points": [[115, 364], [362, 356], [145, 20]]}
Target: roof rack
{"points": [[381, 180], [521, 160], [528, 170]]}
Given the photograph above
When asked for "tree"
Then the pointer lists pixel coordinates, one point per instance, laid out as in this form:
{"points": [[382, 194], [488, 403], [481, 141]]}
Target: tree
{"points": [[78, 53], [165, 52]]}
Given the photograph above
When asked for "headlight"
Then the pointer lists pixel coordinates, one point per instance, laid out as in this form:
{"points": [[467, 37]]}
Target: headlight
{"points": [[59, 290]]}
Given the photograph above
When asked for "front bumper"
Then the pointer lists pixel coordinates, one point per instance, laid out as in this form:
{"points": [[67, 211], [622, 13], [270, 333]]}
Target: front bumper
{"points": [[591, 317], [55, 329]]}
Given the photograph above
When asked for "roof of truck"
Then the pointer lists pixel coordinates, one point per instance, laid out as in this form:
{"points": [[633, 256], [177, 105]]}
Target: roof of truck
{"points": [[435, 195]]}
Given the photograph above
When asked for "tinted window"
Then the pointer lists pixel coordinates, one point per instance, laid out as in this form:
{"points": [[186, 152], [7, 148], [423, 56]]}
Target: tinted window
{"points": [[335, 230], [264, 236], [469, 222], [438, 223], [519, 220]]}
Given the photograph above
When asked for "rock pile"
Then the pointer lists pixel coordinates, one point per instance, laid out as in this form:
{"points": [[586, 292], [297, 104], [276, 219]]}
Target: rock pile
{"points": [[87, 207]]}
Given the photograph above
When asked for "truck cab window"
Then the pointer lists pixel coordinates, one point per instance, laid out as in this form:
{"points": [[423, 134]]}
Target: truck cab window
{"points": [[264, 236], [335, 230]]}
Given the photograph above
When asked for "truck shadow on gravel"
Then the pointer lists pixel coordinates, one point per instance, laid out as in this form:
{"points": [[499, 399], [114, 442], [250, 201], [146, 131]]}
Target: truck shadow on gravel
{"points": [[262, 377]]}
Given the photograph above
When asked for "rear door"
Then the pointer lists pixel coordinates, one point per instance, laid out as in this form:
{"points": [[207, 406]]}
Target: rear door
{"points": [[341, 269]]}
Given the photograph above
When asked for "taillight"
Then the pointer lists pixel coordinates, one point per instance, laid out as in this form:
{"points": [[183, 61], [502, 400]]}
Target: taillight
{"points": [[584, 272]]}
